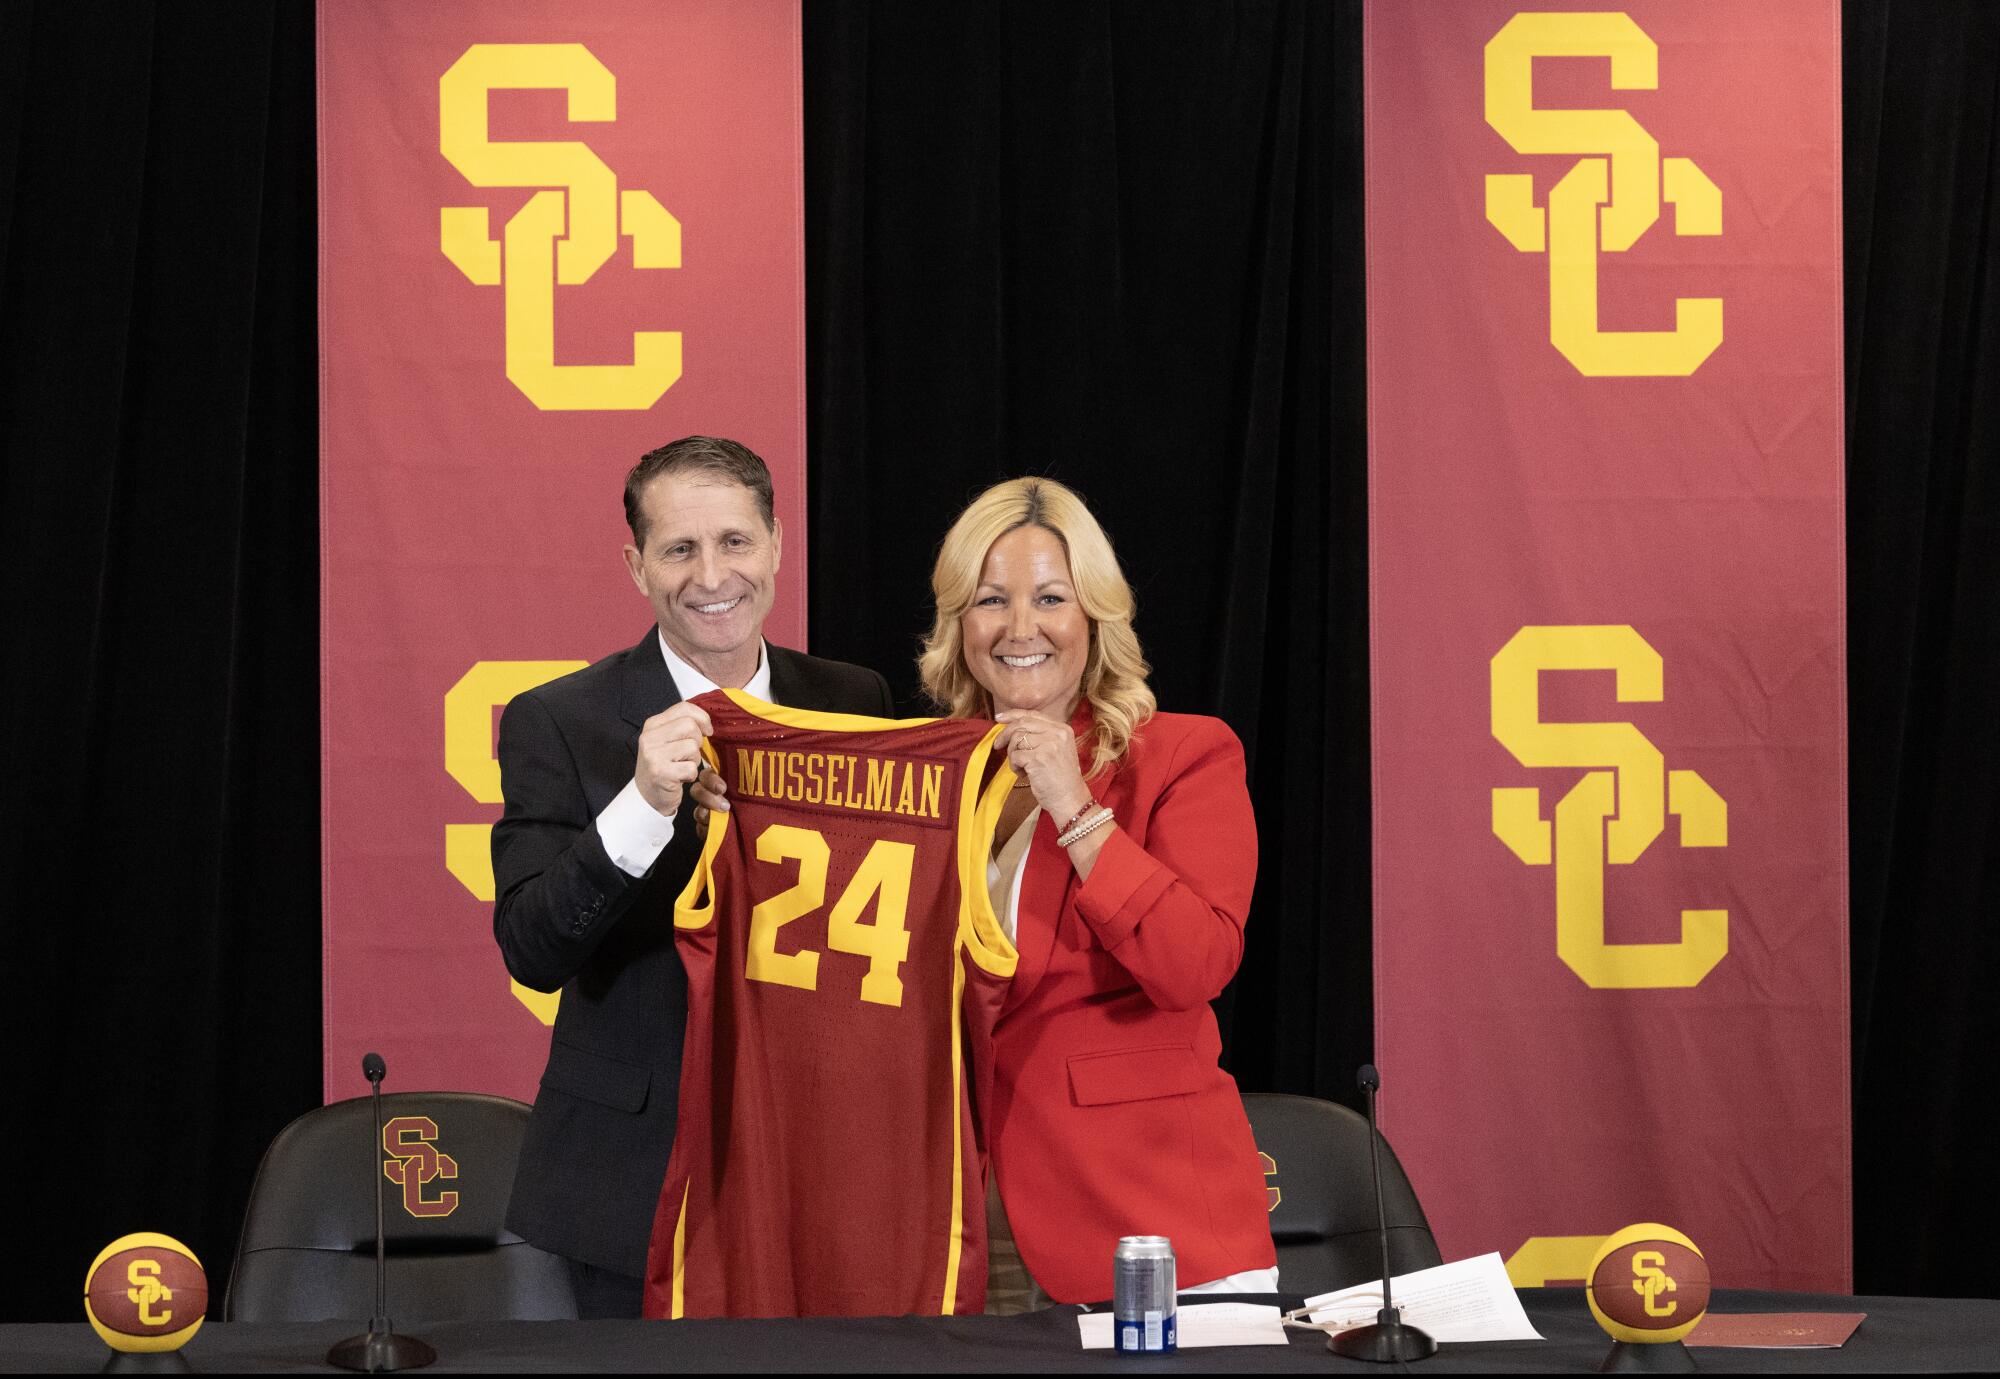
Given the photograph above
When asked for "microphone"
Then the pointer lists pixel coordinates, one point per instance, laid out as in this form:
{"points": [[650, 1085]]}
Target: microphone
{"points": [[381, 1350], [1388, 1341]]}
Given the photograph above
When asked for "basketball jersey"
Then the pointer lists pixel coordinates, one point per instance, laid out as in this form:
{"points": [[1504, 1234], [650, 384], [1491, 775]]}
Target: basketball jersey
{"points": [[844, 970]]}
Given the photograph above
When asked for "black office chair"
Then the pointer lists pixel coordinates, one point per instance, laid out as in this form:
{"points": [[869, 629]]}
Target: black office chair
{"points": [[1322, 1199], [307, 1252]]}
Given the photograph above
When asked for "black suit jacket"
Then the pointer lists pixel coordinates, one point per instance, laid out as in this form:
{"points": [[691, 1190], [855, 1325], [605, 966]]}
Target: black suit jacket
{"points": [[566, 917]]}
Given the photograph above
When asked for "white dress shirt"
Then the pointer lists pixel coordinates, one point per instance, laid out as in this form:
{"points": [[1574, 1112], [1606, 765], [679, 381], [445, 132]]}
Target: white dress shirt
{"points": [[635, 833]]}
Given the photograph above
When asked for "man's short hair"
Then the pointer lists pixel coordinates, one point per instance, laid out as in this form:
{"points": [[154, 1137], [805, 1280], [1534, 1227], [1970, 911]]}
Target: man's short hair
{"points": [[727, 459]]}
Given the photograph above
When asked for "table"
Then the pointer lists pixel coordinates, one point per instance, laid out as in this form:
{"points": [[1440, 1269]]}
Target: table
{"points": [[1901, 1335]]}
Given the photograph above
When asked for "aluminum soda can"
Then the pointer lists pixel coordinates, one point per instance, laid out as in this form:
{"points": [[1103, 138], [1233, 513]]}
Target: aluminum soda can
{"points": [[1142, 1295]]}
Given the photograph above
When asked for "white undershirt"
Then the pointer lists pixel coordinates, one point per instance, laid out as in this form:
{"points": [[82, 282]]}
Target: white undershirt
{"points": [[634, 832], [1007, 903]]}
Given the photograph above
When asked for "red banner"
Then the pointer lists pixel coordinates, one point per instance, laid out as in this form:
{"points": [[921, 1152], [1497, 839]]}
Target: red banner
{"points": [[1604, 318], [554, 234]]}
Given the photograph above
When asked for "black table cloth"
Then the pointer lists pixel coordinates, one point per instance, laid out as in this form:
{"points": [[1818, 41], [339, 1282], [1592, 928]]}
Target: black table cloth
{"points": [[1901, 1335]]}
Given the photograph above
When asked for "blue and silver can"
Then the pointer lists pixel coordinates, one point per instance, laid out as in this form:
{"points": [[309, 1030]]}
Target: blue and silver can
{"points": [[1142, 1295]]}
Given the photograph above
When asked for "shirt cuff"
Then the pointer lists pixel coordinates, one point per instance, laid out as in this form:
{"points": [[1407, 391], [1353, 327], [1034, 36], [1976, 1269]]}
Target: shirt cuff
{"points": [[634, 833]]}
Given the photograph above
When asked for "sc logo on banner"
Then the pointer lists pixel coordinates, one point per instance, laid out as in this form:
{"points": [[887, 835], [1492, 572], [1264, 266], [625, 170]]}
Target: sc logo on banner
{"points": [[1612, 815], [1628, 179], [469, 759], [579, 193]]}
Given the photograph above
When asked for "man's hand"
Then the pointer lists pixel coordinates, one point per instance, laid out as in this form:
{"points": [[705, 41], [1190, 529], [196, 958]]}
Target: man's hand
{"points": [[670, 755]]}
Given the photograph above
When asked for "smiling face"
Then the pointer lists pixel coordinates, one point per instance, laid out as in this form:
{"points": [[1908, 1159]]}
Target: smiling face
{"points": [[1026, 638], [710, 571]]}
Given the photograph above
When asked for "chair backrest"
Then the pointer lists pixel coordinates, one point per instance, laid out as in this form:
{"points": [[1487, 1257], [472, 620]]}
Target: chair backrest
{"points": [[1322, 1199], [307, 1252]]}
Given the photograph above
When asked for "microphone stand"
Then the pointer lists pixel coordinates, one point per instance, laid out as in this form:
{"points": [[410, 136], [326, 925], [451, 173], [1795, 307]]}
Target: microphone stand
{"points": [[1388, 1341], [381, 1351]]}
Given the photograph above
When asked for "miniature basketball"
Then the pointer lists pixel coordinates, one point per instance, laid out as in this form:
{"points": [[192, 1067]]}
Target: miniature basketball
{"points": [[1648, 1284], [145, 1292]]}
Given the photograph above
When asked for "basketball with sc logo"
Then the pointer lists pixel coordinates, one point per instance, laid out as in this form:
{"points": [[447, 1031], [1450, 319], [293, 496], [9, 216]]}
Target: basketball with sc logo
{"points": [[145, 1292], [1648, 1284]]}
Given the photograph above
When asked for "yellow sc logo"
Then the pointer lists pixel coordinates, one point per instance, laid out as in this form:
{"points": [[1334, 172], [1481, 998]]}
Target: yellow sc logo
{"points": [[564, 233], [1634, 794], [468, 757], [148, 1291], [1629, 181]]}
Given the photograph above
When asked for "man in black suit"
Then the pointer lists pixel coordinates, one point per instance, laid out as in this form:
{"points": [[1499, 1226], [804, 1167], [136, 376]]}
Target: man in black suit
{"points": [[599, 836]]}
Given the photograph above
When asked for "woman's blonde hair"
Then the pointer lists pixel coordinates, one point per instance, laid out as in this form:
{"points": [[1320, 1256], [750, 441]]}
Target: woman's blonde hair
{"points": [[1114, 671]]}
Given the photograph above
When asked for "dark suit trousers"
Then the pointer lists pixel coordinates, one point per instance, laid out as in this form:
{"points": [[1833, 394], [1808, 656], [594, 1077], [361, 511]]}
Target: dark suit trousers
{"points": [[602, 1295]]}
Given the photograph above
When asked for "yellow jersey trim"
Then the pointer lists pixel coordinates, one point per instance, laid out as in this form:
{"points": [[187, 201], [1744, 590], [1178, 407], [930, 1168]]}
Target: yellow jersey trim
{"points": [[978, 928], [679, 1307], [955, 1246], [814, 720], [691, 910], [986, 943]]}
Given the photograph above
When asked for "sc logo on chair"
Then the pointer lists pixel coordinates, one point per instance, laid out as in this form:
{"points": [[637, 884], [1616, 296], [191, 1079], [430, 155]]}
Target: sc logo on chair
{"points": [[415, 1163]]}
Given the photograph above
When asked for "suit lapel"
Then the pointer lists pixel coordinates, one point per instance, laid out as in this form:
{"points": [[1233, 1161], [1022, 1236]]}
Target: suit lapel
{"points": [[646, 688], [787, 685]]}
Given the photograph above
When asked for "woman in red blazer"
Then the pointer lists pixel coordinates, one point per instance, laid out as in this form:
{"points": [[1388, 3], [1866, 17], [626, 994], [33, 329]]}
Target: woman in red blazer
{"points": [[1123, 870]]}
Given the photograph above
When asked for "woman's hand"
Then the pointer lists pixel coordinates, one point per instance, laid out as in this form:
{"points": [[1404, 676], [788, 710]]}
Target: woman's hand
{"points": [[710, 793], [1044, 751]]}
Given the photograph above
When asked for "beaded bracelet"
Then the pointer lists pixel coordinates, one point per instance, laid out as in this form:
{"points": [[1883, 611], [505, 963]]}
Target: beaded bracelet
{"points": [[1090, 825], [1088, 805]]}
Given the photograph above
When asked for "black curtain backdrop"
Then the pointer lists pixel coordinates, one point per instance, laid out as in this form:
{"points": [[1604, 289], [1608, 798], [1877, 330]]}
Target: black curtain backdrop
{"points": [[1119, 244], [1129, 240], [1922, 117], [159, 551]]}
